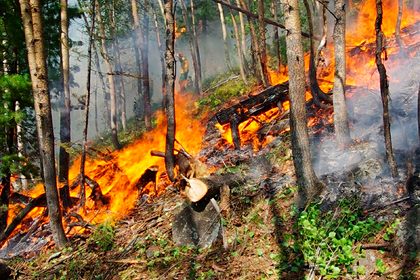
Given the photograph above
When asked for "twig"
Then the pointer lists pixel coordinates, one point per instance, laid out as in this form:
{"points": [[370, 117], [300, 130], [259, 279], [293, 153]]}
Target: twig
{"points": [[221, 83], [386, 205], [225, 243], [127, 261], [375, 246]]}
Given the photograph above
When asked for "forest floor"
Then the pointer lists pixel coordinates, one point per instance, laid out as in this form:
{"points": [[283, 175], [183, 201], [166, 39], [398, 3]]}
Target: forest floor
{"points": [[263, 235]]}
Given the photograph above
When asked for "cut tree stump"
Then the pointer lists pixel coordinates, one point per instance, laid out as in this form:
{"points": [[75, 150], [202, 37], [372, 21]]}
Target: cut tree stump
{"points": [[253, 105]]}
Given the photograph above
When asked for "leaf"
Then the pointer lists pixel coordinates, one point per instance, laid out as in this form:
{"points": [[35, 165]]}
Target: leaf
{"points": [[332, 234]]}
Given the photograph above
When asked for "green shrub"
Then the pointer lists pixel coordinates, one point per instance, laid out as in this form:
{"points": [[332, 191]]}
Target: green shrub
{"points": [[104, 236], [329, 240]]}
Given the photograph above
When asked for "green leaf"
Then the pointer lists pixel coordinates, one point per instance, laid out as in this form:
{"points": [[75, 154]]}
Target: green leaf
{"points": [[332, 234]]}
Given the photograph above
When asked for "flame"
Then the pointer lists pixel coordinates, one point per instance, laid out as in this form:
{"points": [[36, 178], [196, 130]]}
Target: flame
{"points": [[360, 56], [118, 173]]}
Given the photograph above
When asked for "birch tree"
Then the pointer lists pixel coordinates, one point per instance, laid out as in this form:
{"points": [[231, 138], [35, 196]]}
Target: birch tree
{"points": [[34, 37]]}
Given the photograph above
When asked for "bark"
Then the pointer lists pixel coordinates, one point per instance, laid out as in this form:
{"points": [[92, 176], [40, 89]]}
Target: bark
{"points": [[309, 185], [145, 68], [112, 90], [65, 125], [239, 48], [380, 49], [341, 124], [262, 46], [35, 43], [137, 38], [276, 41], [87, 105], [224, 33], [197, 49], [192, 45], [170, 89]]}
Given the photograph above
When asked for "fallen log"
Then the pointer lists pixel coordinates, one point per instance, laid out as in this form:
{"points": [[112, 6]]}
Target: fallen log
{"points": [[33, 202], [253, 105], [148, 176]]}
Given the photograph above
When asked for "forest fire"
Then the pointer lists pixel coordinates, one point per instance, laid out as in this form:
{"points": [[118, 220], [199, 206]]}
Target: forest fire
{"points": [[116, 173], [361, 66]]}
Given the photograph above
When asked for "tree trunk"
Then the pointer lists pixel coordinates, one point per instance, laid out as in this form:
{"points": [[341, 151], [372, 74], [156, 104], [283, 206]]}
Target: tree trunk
{"points": [[380, 49], [65, 126], [197, 49], [243, 37], [137, 38], [107, 110], [87, 104], [398, 27], [317, 93], [239, 48], [112, 91], [192, 45], [145, 68], [224, 33], [262, 46], [341, 124], [161, 55], [34, 37], [170, 89], [309, 185], [276, 41], [120, 80], [256, 52], [4, 200]]}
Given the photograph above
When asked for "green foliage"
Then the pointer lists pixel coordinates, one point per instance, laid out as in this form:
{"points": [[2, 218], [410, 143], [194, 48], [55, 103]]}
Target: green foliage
{"points": [[104, 236], [327, 240]]}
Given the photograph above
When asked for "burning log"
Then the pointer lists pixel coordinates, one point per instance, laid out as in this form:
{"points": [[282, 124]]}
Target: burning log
{"points": [[252, 106], [33, 202]]}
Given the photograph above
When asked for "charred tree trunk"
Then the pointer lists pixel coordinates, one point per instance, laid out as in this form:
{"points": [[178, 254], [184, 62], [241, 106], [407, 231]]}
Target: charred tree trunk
{"points": [[145, 68], [380, 50], [65, 125], [87, 104], [112, 90], [239, 48], [309, 185], [341, 124], [224, 33], [35, 43], [170, 89]]}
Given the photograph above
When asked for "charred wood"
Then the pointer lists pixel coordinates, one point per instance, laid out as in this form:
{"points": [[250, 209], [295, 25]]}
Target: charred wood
{"points": [[148, 176], [255, 104], [33, 202]]}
